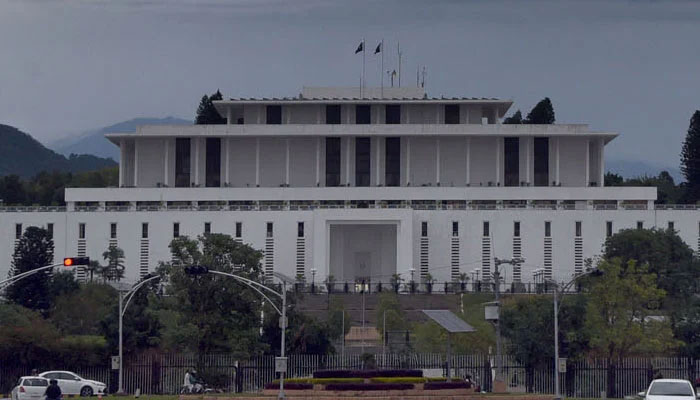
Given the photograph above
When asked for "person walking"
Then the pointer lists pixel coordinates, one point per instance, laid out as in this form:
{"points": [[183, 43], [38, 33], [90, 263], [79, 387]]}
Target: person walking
{"points": [[53, 391]]}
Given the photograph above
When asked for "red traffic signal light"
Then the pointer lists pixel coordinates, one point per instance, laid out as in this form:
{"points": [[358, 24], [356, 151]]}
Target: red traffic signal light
{"points": [[72, 261], [196, 270]]}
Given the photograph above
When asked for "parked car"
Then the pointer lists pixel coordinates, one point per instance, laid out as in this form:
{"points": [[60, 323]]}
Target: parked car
{"points": [[72, 384], [30, 388], [669, 389]]}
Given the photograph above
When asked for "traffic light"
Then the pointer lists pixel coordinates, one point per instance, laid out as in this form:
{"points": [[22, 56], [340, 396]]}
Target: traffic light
{"points": [[196, 270], [73, 261]]}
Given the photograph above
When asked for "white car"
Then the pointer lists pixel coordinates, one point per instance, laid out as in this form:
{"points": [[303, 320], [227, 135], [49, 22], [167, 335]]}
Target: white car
{"points": [[669, 389], [30, 388], [72, 384]]}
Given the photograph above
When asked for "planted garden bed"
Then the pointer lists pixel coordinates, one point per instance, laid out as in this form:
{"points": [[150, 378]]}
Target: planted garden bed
{"points": [[359, 373]]}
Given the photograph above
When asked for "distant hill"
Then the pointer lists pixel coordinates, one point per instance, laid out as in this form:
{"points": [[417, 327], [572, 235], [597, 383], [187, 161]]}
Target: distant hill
{"points": [[633, 169], [22, 155], [93, 142]]}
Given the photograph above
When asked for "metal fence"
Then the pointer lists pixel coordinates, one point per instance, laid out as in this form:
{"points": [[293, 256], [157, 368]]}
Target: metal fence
{"points": [[592, 378]]}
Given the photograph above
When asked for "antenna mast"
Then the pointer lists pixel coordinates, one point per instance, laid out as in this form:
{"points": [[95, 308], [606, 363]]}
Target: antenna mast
{"points": [[398, 49]]}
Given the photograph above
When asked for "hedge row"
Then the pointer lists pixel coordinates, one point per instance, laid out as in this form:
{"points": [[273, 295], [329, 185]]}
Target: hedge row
{"points": [[387, 373], [446, 385], [290, 386], [402, 379], [369, 386], [320, 381]]}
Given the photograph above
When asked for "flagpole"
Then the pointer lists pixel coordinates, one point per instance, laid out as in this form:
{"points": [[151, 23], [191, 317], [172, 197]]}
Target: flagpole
{"points": [[381, 72], [362, 90], [398, 50]]}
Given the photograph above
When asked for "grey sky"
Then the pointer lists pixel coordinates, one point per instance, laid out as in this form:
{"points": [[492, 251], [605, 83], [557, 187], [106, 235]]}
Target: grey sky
{"points": [[626, 66]]}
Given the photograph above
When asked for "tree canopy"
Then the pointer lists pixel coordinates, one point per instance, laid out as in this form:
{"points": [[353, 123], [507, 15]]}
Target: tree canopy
{"points": [[690, 158], [34, 250], [206, 112], [542, 113]]}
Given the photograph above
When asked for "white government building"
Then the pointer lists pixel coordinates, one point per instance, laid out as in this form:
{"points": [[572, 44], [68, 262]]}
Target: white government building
{"points": [[355, 186]]}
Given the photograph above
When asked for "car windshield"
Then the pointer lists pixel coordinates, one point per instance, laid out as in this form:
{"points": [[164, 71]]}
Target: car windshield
{"points": [[36, 382], [670, 389]]}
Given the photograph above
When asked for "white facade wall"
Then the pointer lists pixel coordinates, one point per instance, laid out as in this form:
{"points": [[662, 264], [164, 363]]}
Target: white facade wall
{"points": [[572, 161], [483, 161]]}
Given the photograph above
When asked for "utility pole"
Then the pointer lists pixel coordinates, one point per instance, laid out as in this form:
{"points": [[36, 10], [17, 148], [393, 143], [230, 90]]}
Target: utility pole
{"points": [[497, 291]]}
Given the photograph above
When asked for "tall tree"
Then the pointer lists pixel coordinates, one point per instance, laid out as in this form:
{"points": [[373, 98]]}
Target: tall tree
{"points": [[542, 113], [690, 158], [114, 270], [34, 250], [206, 112], [516, 118]]}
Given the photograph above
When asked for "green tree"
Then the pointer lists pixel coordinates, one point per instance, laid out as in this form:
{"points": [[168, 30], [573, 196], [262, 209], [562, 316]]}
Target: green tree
{"points": [[217, 313], [114, 270], [395, 317], [25, 336], [618, 311], [304, 334], [515, 119], [690, 158], [34, 250], [81, 312], [62, 283], [613, 179], [206, 112], [542, 113], [338, 318]]}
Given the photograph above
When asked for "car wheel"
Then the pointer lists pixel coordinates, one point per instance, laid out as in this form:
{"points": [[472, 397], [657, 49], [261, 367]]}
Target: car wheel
{"points": [[86, 391]]}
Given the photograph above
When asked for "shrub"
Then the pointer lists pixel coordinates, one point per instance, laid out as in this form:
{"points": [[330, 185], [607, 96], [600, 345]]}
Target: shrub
{"points": [[446, 385], [369, 386], [320, 381], [436, 379], [388, 373], [401, 379], [290, 386]]}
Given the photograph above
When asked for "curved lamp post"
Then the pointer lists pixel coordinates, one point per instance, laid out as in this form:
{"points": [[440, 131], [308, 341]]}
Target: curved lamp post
{"points": [[261, 290], [560, 289]]}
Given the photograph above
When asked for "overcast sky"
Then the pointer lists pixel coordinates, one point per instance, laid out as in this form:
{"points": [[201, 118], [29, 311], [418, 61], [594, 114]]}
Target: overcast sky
{"points": [[631, 67]]}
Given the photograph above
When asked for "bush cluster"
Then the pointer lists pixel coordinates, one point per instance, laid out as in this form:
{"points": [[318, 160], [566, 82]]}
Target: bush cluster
{"points": [[447, 385], [290, 386], [369, 386], [401, 379], [351, 373], [320, 381]]}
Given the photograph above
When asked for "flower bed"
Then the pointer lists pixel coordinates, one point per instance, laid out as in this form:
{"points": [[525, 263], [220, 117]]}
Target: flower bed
{"points": [[388, 373], [320, 381], [398, 380], [290, 386], [368, 386], [446, 385]]}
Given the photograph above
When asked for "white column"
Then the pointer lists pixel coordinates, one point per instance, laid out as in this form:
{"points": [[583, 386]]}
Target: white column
{"points": [[556, 163], [347, 161], [379, 158], [601, 162], [437, 161], [587, 163], [408, 160], [528, 140], [196, 161], [286, 160], [468, 152], [257, 161], [318, 114], [229, 115], [136, 162], [498, 160], [227, 173], [122, 161], [287, 115], [166, 148], [318, 161]]}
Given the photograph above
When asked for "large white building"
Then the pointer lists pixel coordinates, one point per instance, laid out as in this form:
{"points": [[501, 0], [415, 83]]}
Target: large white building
{"points": [[359, 187]]}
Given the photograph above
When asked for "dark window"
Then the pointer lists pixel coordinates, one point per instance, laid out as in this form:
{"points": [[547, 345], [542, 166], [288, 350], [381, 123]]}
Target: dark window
{"points": [[176, 229], [640, 224], [213, 163], [207, 227], [239, 229], [274, 115], [455, 228], [393, 114], [608, 228], [452, 113], [182, 162], [362, 161], [511, 161], [144, 230], [578, 228], [392, 175], [333, 114], [671, 225], [486, 229], [113, 230], [300, 229], [49, 229], [18, 231], [363, 114], [269, 229], [240, 121], [516, 229], [541, 161], [332, 161], [81, 231], [424, 229], [547, 229]]}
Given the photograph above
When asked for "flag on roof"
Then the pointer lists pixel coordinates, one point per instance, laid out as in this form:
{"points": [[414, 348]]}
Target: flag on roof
{"points": [[379, 48], [360, 48]]}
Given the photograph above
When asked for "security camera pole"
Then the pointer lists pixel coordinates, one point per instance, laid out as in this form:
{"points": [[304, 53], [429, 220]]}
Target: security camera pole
{"points": [[497, 289]]}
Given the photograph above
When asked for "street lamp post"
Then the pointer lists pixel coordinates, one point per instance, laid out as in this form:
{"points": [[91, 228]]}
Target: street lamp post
{"points": [[497, 288]]}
